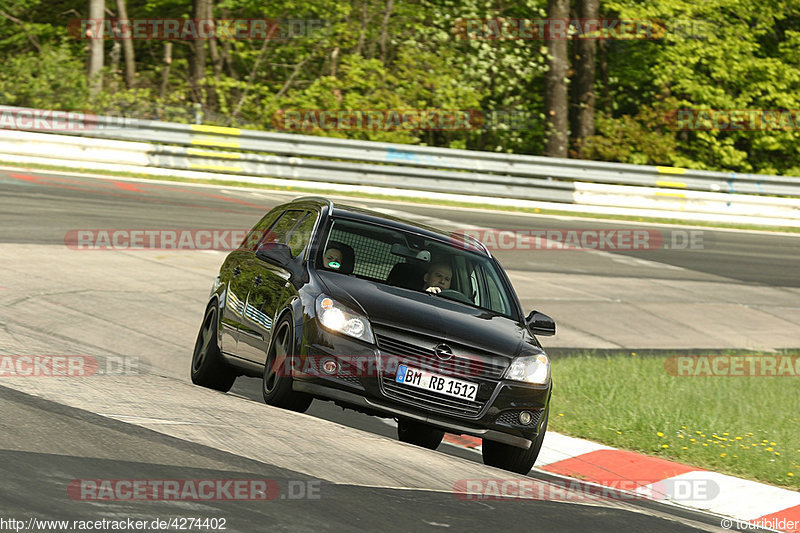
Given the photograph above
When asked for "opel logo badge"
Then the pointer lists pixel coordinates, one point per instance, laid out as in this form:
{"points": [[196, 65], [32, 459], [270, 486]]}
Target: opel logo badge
{"points": [[443, 352]]}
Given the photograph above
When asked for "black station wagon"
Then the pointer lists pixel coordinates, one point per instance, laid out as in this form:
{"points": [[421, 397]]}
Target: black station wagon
{"points": [[385, 316]]}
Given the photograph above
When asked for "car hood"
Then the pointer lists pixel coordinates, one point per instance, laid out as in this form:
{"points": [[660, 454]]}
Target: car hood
{"points": [[428, 314]]}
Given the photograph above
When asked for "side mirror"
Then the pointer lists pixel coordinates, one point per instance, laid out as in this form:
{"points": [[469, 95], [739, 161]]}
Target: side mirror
{"points": [[281, 255], [275, 252], [540, 324]]}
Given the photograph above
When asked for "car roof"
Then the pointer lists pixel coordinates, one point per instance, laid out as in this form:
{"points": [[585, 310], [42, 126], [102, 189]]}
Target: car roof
{"points": [[369, 216]]}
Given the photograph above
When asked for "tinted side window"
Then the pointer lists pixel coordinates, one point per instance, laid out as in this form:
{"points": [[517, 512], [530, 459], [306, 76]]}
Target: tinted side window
{"points": [[300, 235], [280, 229], [254, 236]]}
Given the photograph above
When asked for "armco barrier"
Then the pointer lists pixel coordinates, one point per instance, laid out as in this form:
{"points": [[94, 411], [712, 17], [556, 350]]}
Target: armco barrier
{"points": [[184, 147]]}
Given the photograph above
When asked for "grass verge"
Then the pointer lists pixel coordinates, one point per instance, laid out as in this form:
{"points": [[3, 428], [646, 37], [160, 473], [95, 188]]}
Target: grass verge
{"points": [[428, 201], [742, 426]]}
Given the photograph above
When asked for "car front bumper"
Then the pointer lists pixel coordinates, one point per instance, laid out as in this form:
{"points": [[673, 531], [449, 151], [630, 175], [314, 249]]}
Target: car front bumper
{"points": [[497, 419]]}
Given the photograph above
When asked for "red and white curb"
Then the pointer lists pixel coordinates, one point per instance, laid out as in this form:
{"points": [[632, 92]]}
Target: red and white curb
{"points": [[746, 501]]}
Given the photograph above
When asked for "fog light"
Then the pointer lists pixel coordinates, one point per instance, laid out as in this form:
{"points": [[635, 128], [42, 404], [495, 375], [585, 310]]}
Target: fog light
{"points": [[525, 418], [329, 366]]}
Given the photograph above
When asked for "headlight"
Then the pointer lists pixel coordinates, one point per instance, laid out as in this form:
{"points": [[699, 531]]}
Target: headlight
{"points": [[530, 369], [336, 317]]}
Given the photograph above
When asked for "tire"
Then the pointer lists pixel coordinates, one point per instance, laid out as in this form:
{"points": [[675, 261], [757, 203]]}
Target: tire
{"points": [[419, 434], [507, 457], [277, 381], [208, 367]]}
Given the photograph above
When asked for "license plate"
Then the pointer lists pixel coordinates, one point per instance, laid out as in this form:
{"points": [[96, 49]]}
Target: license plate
{"points": [[436, 383]]}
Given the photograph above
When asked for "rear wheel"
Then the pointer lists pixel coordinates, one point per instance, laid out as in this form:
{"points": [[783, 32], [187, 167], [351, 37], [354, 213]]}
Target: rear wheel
{"points": [[507, 457], [419, 434], [208, 367], [277, 382]]}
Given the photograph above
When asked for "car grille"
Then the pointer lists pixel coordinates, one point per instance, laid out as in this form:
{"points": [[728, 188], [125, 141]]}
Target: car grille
{"points": [[349, 379], [472, 366], [481, 369], [511, 418], [431, 400]]}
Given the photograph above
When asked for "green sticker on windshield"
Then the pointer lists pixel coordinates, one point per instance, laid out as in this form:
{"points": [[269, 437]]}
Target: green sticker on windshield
{"points": [[334, 264]]}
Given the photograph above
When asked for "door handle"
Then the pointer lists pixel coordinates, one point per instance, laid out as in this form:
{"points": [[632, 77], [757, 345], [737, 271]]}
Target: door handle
{"points": [[257, 281], [236, 271]]}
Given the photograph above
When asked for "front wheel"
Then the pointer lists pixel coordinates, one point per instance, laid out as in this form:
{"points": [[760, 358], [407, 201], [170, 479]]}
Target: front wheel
{"points": [[208, 368], [277, 382], [419, 434], [507, 457]]}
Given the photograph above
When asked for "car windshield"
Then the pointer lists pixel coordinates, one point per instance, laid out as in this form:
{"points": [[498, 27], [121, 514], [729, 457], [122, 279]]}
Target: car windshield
{"points": [[415, 262]]}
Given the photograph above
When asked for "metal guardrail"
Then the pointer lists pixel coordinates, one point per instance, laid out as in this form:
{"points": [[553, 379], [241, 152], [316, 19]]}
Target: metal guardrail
{"points": [[343, 161]]}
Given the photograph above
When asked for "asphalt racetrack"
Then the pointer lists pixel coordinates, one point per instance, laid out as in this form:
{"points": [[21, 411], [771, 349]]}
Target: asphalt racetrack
{"points": [[333, 470]]}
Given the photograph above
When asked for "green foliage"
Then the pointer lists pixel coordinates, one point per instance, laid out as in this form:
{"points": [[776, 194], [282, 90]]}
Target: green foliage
{"points": [[51, 79], [716, 54]]}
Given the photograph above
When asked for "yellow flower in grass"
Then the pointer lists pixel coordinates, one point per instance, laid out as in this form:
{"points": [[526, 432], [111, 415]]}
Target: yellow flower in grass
{"points": [[685, 448], [619, 433], [665, 446], [692, 440], [790, 474], [738, 438], [704, 444], [769, 449], [723, 454], [680, 436], [660, 434], [777, 453], [772, 444], [683, 427], [725, 434]]}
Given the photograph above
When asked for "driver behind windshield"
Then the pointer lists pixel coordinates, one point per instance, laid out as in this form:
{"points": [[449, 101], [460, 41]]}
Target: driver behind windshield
{"points": [[438, 277]]}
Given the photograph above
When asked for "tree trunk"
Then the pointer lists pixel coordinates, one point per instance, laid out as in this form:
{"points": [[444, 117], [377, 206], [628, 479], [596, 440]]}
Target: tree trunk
{"points": [[198, 72], [216, 60], [606, 91], [585, 62], [127, 48], [97, 13], [555, 98], [384, 28], [362, 35], [165, 72]]}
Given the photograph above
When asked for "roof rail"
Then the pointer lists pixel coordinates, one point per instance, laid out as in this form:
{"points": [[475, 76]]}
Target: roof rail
{"points": [[319, 198], [476, 243]]}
